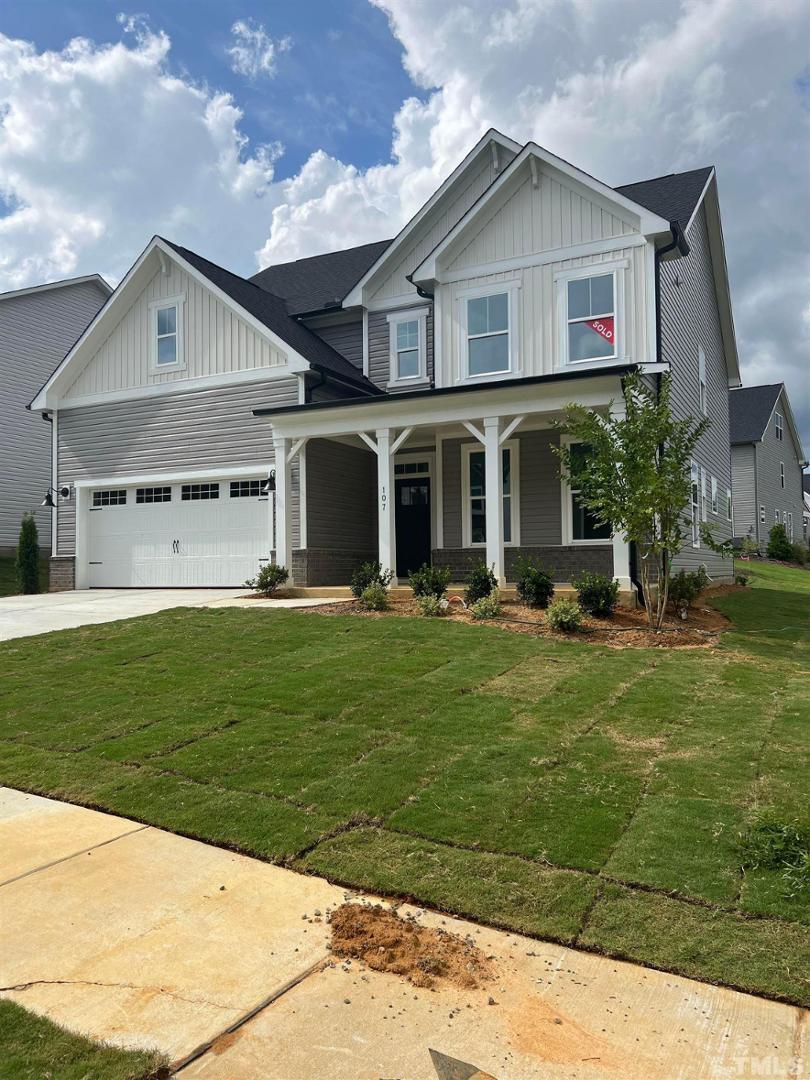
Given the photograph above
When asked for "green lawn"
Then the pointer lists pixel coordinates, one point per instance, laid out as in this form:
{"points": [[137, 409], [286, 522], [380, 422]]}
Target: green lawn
{"points": [[582, 794], [8, 575]]}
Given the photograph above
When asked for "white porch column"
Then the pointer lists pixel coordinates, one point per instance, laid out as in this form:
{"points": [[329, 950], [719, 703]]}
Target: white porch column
{"points": [[386, 510], [494, 496], [621, 548], [283, 504]]}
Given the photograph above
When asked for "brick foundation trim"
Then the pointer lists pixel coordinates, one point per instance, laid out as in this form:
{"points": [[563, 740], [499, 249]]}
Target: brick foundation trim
{"points": [[562, 563], [62, 573]]}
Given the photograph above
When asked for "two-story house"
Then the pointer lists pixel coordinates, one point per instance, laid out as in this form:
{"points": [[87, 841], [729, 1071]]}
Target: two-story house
{"points": [[398, 400], [37, 327], [767, 460]]}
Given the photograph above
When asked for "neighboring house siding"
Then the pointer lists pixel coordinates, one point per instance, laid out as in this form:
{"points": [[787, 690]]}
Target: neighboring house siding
{"points": [[690, 321], [215, 341], [379, 347], [36, 330], [165, 434], [743, 485], [770, 451], [345, 338]]}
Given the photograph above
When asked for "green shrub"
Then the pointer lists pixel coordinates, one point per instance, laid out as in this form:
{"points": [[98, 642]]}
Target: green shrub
{"points": [[565, 615], [779, 547], [702, 579], [684, 589], [374, 597], [487, 607], [799, 554], [480, 582], [370, 573], [534, 585], [741, 579], [268, 579], [430, 606], [27, 565], [598, 594], [749, 546], [430, 581]]}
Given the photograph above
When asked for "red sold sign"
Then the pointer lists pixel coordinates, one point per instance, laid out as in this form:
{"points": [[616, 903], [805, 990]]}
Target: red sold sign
{"points": [[603, 327]]}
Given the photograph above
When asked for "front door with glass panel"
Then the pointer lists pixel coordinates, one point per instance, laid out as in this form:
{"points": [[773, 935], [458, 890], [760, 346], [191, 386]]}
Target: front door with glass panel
{"points": [[412, 524]]}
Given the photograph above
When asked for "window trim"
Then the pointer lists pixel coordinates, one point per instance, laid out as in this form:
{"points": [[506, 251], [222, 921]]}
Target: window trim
{"points": [[567, 520], [782, 475], [790, 525], [120, 493], [145, 494], [154, 306], [703, 388], [494, 288], [779, 426], [762, 514], [394, 318], [694, 503], [617, 269], [476, 447], [729, 505], [714, 497]]}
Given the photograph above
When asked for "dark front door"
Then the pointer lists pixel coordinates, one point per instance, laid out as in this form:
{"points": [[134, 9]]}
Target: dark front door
{"points": [[413, 524]]}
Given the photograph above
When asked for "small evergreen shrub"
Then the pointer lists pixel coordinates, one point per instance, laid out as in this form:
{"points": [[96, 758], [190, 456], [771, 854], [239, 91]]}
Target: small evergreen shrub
{"points": [[598, 594], [702, 579], [430, 581], [741, 579], [27, 565], [683, 590], [487, 607], [749, 547], [799, 554], [779, 547], [534, 585], [370, 573], [374, 597], [431, 606], [268, 579], [480, 583], [565, 615]]}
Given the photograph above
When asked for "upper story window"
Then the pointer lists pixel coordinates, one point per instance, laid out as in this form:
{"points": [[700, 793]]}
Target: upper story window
{"points": [[408, 347], [591, 318], [779, 426], [487, 338], [782, 475], [167, 336], [703, 395]]}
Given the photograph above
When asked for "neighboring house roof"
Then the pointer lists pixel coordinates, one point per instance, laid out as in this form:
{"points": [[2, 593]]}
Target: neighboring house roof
{"points": [[97, 278], [320, 281], [675, 196], [271, 310], [750, 409]]}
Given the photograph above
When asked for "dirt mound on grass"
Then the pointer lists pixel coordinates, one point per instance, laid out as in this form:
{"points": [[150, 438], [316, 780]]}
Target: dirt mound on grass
{"points": [[425, 957]]}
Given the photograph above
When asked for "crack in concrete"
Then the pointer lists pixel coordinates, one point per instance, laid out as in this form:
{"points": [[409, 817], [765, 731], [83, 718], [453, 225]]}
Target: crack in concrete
{"points": [[21, 987]]}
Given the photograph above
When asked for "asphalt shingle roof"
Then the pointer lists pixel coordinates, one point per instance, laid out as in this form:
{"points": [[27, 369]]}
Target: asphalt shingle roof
{"points": [[673, 197], [749, 410], [322, 280], [271, 311]]}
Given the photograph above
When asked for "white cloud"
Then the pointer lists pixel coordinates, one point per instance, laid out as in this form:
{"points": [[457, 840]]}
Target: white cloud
{"points": [[254, 52]]}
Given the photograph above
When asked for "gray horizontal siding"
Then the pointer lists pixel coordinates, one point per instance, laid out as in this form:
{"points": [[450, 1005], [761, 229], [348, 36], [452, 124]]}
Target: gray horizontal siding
{"points": [[345, 338], [744, 489], [36, 331], [341, 497], [769, 453], [173, 432], [379, 346]]}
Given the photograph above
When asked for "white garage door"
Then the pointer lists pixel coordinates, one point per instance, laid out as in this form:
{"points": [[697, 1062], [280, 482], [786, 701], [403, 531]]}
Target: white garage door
{"points": [[208, 533]]}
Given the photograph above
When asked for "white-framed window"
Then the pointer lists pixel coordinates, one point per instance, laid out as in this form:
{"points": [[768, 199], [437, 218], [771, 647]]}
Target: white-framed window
{"points": [[779, 426], [782, 475], [245, 489], [153, 494], [580, 525], [407, 335], [474, 486], [116, 497], [488, 320], [703, 394], [166, 330], [589, 300], [703, 501], [776, 517], [729, 506], [196, 492], [695, 505], [762, 515], [715, 505], [790, 525]]}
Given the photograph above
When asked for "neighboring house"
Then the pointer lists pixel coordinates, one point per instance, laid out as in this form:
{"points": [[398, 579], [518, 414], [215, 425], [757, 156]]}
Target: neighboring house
{"points": [[806, 513], [396, 400], [37, 327], [767, 460]]}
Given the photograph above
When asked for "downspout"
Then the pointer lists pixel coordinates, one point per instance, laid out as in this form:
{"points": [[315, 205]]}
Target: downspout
{"points": [[48, 418]]}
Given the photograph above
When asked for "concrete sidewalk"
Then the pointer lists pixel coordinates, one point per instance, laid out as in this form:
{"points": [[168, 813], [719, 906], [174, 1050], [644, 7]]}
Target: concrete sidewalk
{"points": [[24, 616], [143, 938]]}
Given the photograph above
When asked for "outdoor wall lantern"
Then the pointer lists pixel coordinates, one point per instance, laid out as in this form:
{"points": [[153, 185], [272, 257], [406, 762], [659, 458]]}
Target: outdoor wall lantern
{"points": [[270, 483], [63, 493]]}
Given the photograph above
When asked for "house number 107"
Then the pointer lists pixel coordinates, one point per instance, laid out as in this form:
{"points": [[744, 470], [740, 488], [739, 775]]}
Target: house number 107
{"points": [[384, 499]]}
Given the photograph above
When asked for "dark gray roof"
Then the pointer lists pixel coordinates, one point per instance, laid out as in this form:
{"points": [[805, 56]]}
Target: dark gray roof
{"points": [[749, 410], [673, 197], [320, 281], [271, 311]]}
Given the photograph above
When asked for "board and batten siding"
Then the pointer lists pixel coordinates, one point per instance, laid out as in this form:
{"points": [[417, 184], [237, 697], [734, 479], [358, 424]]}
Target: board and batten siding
{"points": [[744, 489], [690, 321], [215, 341], [36, 331], [168, 433], [379, 346]]}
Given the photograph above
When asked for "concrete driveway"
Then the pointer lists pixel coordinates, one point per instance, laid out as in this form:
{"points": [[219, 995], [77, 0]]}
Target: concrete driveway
{"points": [[23, 616], [142, 938]]}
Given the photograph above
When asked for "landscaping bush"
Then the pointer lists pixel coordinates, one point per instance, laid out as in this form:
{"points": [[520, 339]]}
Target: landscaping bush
{"points": [[702, 579], [370, 573], [779, 547], [683, 591], [374, 597], [430, 581], [480, 582], [565, 615], [487, 607], [27, 565], [741, 579], [799, 554], [534, 585], [268, 579], [598, 594], [430, 605], [749, 547]]}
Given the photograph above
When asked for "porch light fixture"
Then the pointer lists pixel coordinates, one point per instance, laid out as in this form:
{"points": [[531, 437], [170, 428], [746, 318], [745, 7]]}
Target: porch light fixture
{"points": [[270, 483], [63, 493]]}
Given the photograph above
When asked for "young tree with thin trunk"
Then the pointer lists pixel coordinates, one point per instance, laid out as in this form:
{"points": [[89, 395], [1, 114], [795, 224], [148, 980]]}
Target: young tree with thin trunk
{"points": [[28, 557], [636, 477]]}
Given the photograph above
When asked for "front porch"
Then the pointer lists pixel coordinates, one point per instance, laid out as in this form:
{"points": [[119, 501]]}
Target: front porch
{"points": [[445, 478]]}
